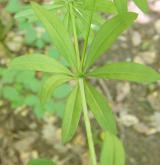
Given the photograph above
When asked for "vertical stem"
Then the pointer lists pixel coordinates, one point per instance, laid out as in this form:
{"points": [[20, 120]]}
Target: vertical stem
{"points": [[75, 33], [85, 46], [87, 123], [87, 37]]}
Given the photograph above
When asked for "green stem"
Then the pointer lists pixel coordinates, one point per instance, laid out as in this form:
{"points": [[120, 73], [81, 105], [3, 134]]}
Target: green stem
{"points": [[75, 34], [87, 123], [87, 39]]}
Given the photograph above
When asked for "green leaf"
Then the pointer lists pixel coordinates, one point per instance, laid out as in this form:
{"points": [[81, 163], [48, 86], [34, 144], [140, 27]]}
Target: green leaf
{"points": [[142, 4], [52, 52], [127, 71], [100, 108], [38, 62], [121, 5], [101, 6], [8, 76], [112, 151], [2, 71], [50, 84], [71, 115], [107, 34], [31, 100], [11, 93], [59, 108], [107, 154], [28, 80], [39, 43], [105, 6], [30, 36], [62, 91], [120, 152], [13, 6], [28, 12], [90, 3], [57, 32], [41, 162]]}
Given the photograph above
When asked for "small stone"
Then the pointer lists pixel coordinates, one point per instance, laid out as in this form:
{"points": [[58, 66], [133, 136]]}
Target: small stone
{"points": [[50, 119], [138, 60], [40, 32], [157, 26], [34, 154], [154, 100], [25, 156], [156, 37], [144, 129], [48, 133], [145, 57], [33, 126], [118, 107], [123, 90], [122, 38], [79, 140], [14, 42], [136, 38], [85, 159], [128, 120], [155, 121], [155, 6], [25, 144], [58, 135], [124, 45]]}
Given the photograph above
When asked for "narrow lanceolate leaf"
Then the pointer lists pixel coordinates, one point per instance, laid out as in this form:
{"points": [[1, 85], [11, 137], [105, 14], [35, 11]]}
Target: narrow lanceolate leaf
{"points": [[38, 62], [112, 151], [107, 153], [50, 84], [142, 4], [57, 32], [72, 115], [107, 34], [103, 6], [40, 162], [90, 3], [120, 152], [121, 5], [90, 6], [127, 71], [27, 13], [100, 108]]}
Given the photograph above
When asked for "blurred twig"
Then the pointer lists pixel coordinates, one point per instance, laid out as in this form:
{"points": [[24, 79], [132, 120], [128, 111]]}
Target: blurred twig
{"points": [[105, 89]]}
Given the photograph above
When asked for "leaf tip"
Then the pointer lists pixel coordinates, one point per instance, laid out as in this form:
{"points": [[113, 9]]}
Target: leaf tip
{"points": [[64, 139], [34, 4]]}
